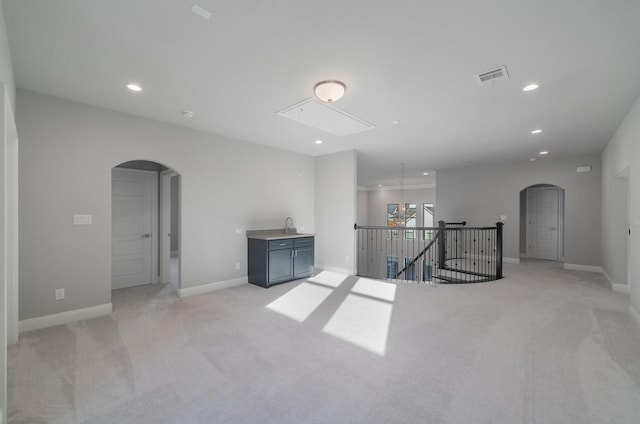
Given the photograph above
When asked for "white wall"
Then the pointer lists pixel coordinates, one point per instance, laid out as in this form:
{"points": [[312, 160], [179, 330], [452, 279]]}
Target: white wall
{"points": [[67, 152], [480, 195], [335, 194], [622, 156]]}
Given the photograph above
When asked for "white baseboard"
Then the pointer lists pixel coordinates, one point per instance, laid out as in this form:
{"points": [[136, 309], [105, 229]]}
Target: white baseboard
{"points": [[588, 268], [616, 287], [64, 317], [634, 314], [510, 260], [210, 287], [334, 269]]}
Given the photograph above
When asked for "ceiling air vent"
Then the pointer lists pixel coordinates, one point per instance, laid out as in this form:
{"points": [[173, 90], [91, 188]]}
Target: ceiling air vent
{"points": [[493, 75]]}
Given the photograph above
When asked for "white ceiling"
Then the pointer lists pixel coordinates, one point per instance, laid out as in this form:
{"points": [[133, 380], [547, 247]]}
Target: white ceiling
{"points": [[410, 61]]}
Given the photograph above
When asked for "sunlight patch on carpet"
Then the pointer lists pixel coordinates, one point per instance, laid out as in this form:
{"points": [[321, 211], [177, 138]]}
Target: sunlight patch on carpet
{"points": [[299, 302], [377, 289], [363, 322], [329, 278]]}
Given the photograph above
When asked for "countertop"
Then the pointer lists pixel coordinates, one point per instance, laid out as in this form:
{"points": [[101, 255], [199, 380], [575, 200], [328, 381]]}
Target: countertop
{"points": [[276, 234]]}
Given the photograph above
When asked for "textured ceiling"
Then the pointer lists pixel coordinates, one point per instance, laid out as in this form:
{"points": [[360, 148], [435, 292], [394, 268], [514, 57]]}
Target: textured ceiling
{"points": [[409, 61]]}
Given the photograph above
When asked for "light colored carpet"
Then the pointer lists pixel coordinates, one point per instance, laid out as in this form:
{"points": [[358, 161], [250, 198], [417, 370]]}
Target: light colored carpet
{"points": [[543, 345]]}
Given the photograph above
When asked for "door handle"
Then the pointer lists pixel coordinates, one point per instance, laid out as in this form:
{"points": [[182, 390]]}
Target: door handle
{"points": [[146, 235]]}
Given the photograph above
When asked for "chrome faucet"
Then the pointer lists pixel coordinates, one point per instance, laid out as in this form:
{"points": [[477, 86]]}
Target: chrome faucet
{"points": [[286, 225]]}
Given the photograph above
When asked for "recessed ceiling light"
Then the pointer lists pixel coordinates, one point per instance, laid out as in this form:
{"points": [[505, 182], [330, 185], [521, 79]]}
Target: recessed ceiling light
{"points": [[544, 152], [187, 114], [538, 131], [318, 141], [379, 185], [134, 87], [425, 173], [530, 87]]}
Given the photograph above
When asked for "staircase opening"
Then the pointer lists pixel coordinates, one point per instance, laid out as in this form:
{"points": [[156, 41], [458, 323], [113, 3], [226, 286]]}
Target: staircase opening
{"points": [[448, 253]]}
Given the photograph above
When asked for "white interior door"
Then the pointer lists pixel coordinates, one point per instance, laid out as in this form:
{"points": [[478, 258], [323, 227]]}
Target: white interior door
{"points": [[133, 211], [542, 223]]}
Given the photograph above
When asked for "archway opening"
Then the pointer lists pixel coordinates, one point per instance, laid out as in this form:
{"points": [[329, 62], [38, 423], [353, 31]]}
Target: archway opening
{"points": [[542, 222]]}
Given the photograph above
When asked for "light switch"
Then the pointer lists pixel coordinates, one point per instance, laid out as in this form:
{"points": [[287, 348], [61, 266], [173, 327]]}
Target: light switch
{"points": [[59, 295], [82, 219], [503, 217]]}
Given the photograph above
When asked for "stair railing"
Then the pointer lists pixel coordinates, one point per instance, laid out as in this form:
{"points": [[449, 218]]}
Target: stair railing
{"points": [[449, 253]]}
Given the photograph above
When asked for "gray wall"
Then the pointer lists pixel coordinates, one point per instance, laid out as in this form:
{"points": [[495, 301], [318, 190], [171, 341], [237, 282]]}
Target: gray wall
{"points": [[7, 127], [621, 158], [480, 195], [335, 197], [66, 155], [6, 65], [363, 208]]}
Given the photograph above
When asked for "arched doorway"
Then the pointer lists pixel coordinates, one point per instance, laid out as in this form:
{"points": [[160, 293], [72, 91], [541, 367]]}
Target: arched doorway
{"points": [[145, 199], [542, 222]]}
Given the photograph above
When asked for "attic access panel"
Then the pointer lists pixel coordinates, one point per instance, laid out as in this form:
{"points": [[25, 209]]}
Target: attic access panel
{"points": [[324, 117]]}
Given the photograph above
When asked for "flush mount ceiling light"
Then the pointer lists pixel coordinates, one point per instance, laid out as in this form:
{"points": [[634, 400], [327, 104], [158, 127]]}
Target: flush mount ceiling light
{"points": [[544, 152], [134, 87], [530, 87], [318, 141], [329, 91], [538, 131], [425, 173]]}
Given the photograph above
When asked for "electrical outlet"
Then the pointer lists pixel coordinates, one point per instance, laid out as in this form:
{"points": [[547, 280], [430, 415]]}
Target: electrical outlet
{"points": [[237, 265], [59, 294]]}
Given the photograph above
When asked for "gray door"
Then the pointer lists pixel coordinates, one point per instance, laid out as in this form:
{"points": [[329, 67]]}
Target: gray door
{"points": [[542, 223], [132, 224]]}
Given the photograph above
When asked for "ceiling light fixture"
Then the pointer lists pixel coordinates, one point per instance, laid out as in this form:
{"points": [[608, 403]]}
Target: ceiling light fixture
{"points": [[379, 185], [134, 87], [425, 173], [318, 141], [530, 87], [188, 114], [394, 122], [329, 91], [544, 152], [538, 131]]}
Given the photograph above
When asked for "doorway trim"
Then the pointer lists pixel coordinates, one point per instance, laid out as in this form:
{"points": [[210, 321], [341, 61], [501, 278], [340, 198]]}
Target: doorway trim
{"points": [[165, 225]]}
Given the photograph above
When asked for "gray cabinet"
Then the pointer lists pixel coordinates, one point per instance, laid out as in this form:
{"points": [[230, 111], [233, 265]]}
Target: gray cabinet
{"points": [[276, 261]]}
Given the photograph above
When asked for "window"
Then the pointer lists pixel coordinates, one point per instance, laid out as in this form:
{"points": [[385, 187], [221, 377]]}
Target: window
{"points": [[393, 218], [410, 272], [392, 267], [427, 219], [410, 213]]}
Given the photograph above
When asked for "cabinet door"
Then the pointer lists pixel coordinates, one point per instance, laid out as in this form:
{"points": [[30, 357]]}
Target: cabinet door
{"points": [[280, 266], [303, 262]]}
